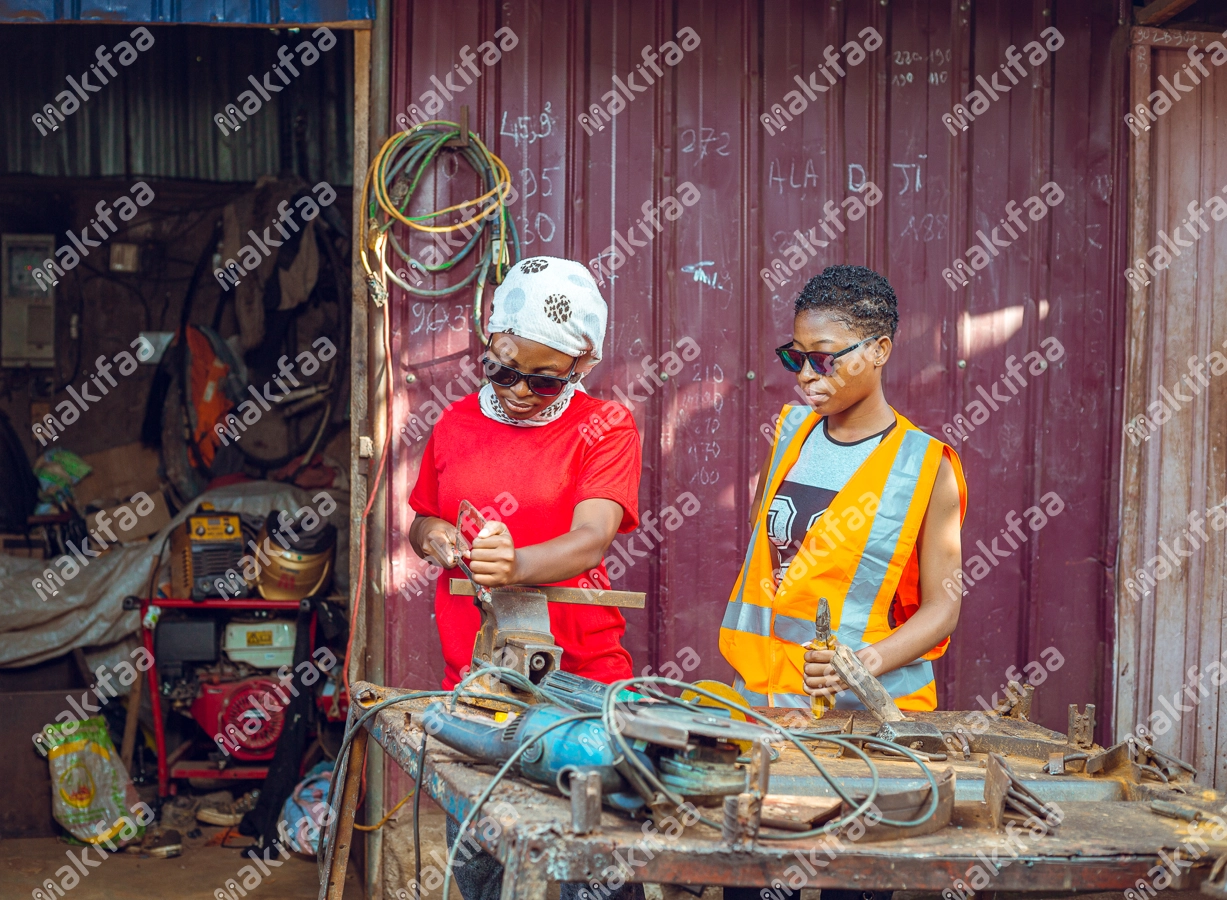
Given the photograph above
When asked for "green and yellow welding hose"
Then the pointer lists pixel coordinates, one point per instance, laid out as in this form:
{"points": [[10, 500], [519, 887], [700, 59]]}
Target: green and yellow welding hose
{"points": [[392, 181]]}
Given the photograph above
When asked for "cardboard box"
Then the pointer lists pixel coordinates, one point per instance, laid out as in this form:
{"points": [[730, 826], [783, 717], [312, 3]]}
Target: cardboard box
{"points": [[146, 526], [117, 474]]}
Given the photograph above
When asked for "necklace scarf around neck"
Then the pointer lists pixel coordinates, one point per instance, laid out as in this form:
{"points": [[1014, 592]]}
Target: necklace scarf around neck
{"points": [[492, 409]]}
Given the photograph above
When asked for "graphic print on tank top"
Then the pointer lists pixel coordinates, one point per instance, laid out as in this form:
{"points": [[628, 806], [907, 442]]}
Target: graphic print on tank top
{"points": [[822, 469]]}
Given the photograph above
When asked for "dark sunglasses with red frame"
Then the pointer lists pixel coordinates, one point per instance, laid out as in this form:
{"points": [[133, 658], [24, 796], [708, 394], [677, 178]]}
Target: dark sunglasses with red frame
{"points": [[541, 385]]}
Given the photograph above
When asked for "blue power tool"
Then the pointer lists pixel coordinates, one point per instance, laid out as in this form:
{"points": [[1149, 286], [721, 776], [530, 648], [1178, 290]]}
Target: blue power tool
{"points": [[578, 747], [692, 752]]}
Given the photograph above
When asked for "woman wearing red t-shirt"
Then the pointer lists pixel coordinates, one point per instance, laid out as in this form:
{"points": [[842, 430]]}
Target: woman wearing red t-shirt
{"points": [[516, 447]]}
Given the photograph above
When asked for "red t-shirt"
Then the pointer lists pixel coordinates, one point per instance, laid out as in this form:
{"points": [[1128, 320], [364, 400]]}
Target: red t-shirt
{"points": [[532, 479]]}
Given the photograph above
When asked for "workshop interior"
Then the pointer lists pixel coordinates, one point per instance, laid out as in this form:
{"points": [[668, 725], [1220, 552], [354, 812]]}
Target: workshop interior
{"points": [[613, 450]]}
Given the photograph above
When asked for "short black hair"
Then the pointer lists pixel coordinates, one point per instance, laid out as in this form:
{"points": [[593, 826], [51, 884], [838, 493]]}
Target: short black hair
{"points": [[859, 297]]}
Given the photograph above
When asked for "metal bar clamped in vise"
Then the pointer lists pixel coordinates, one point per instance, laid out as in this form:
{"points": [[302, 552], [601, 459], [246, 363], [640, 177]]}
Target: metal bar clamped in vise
{"points": [[896, 727]]}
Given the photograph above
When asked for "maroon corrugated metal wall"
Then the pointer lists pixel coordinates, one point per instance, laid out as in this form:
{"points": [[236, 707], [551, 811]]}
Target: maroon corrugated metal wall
{"points": [[700, 279]]}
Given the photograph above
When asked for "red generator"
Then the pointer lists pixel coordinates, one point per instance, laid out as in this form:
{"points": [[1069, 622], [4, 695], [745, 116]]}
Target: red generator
{"points": [[244, 717]]}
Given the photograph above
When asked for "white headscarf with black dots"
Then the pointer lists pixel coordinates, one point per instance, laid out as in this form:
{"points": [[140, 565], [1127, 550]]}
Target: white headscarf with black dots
{"points": [[554, 302]]}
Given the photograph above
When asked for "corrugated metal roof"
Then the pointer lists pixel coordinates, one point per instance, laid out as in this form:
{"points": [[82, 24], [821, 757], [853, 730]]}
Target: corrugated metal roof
{"points": [[155, 116], [211, 12]]}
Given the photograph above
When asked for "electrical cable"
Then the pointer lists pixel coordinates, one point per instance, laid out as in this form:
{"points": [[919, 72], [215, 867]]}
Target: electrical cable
{"points": [[508, 675], [628, 756], [392, 181], [342, 758], [384, 821], [417, 816], [413, 152], [498, 776]]}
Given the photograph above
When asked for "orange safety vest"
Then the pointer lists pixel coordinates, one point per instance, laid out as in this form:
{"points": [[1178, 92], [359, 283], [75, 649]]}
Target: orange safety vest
{"points": [[860, 554]]}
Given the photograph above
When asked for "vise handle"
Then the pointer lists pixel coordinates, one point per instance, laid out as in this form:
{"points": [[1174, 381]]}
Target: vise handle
{"points": [[462, 587], [867, 688]]}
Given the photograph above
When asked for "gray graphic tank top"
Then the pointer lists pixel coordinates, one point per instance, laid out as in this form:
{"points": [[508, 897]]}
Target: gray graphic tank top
{"points": [[823, 468]]}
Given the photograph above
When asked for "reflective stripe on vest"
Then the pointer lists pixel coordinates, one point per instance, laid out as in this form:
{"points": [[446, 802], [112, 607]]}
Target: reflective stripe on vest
{"points": [[909, 679], [883, 537], [749, 618], [787, 701]]}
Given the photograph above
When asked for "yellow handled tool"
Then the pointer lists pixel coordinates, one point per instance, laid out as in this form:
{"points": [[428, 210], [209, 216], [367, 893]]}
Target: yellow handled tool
{"points": [[823, 640]]}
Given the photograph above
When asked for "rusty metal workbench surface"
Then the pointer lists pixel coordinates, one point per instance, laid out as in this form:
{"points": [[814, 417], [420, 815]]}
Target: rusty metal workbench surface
{"points": [[1109, 838]]}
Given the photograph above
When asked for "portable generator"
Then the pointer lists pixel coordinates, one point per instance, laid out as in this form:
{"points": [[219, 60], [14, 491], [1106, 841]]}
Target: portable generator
{"points": [[246, 716], [202, 550]]}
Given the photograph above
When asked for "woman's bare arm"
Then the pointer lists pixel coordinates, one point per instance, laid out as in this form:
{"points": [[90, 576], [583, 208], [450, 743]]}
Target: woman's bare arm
{"points": [[496, 560], [941, 556]]}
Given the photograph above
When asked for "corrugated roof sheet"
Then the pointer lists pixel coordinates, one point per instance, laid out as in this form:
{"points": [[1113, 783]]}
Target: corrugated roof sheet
{"points": [[243, 12], [155, 116]]}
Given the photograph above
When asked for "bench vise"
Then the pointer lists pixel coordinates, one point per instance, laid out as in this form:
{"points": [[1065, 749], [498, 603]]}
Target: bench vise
{"points": [[515, 631]]}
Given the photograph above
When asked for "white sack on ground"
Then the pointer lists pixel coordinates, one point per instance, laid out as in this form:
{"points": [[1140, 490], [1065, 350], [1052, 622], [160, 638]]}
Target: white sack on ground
{"points": [[89, 609]]}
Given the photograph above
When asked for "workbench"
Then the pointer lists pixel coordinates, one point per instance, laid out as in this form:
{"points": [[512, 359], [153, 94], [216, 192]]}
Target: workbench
{"points": [[1109, 838]]}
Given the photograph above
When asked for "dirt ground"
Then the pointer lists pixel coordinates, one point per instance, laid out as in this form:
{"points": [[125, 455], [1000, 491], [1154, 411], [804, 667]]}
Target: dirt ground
{"points": [[196, 875]]}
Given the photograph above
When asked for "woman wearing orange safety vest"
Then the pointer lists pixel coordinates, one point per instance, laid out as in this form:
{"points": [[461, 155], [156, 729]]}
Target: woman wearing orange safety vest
{"points": [[855, 504]]}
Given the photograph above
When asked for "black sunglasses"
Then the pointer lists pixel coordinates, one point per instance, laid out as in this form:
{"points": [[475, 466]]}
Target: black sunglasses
{"points": [[541, 385], [821, 362]]}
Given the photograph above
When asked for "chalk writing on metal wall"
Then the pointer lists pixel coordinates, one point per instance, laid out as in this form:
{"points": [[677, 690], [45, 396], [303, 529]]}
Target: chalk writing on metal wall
{"points": [[700, 140], [541, 226], [698, 272], [525, 128], [808, 176]]}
